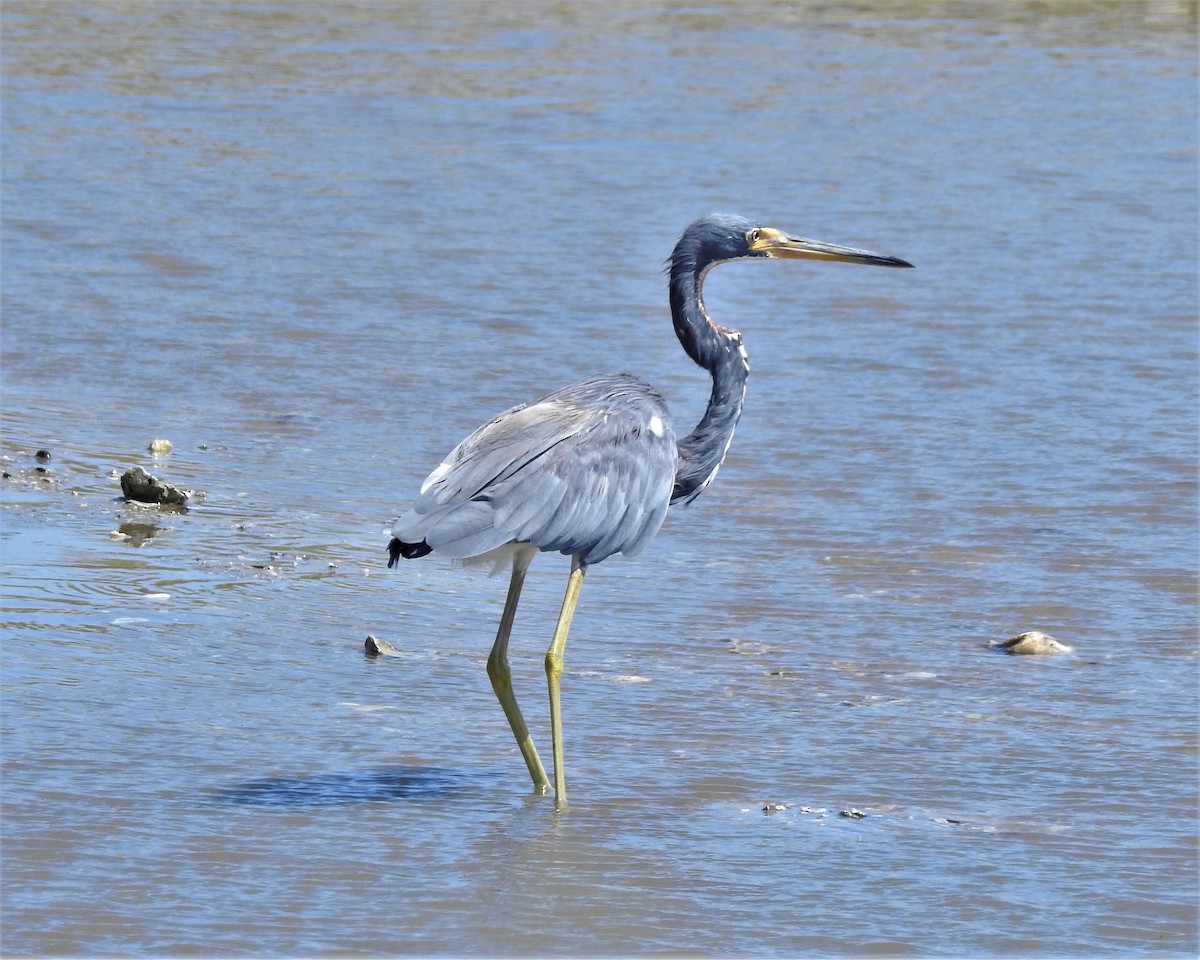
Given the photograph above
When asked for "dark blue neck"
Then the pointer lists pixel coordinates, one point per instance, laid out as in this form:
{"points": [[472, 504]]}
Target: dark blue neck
{"points": [[719, 351]]}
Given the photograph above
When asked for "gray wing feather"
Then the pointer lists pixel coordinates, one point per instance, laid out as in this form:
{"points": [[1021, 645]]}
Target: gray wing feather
{"points": [[586, 470], [462, 530], [500, 448]]}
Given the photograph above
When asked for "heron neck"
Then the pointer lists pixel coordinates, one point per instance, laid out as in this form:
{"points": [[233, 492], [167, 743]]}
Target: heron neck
{"points": [[718, 350]]}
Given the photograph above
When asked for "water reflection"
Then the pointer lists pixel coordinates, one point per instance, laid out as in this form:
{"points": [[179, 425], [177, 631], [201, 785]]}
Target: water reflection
{"points": [[135, 534]]}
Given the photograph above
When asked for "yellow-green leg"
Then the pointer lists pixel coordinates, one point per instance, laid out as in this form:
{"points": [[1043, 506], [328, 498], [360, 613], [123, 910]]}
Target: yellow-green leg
{"points": [[501, 676], [554, 669]]}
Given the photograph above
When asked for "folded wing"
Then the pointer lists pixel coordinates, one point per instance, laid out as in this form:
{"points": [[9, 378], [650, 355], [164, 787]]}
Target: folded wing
{"points": [[587, 470]]}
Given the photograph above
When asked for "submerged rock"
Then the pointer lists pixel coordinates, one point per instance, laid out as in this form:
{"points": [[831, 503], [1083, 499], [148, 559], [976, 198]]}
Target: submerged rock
{"points": [[28, 476], [138, 485], [1034, 643]]}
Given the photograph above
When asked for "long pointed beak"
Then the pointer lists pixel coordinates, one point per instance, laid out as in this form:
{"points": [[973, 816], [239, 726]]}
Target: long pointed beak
{"points": [[777, 244]]}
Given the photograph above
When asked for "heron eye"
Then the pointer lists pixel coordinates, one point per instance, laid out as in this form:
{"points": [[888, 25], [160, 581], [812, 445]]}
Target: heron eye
{"points": [[754, 236]]}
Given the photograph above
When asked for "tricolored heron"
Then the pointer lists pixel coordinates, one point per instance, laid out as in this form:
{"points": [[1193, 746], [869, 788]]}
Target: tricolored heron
{"points": [[589, 470]]}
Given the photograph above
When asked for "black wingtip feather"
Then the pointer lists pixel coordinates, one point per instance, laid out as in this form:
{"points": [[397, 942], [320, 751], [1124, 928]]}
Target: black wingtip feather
{"points": [[409, 551]]}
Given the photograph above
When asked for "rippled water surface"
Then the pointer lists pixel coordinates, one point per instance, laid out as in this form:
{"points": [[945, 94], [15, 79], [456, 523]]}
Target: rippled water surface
{"points": [[314, 245]]}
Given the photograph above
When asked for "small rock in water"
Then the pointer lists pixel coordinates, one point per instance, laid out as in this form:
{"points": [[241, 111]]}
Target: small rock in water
{"points": [[42, 456], [160, 446], [774, 807], [1035, 643], [138, 485], [374, 647], [852, 814]]}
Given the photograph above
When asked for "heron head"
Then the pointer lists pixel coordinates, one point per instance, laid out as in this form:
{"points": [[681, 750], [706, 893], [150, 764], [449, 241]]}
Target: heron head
{"points": [[719, 237]]}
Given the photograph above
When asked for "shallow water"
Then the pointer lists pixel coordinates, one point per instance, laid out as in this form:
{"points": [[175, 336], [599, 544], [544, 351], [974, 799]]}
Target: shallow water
{"points": [[314, 246]]}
